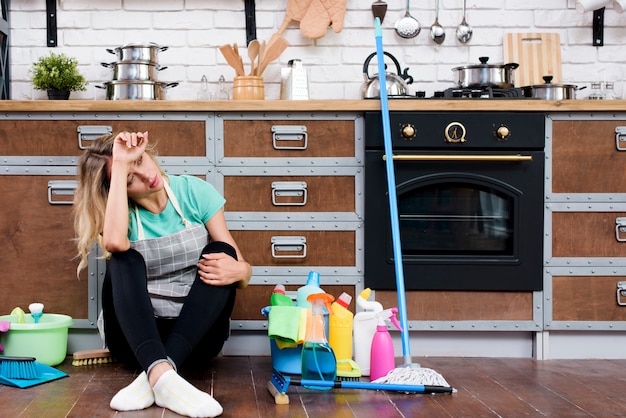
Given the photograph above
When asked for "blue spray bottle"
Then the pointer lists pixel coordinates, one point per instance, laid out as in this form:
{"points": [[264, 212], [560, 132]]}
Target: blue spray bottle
{"points": [[318, 359]]}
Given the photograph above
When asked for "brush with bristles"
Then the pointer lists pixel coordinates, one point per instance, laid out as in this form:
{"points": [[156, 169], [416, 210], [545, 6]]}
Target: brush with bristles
{"points": [[92, 357], [348, 370], [12, 367]]}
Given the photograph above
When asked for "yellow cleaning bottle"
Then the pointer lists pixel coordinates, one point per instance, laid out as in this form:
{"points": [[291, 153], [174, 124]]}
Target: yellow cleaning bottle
{"points": [[340, 329], [318, 359]]}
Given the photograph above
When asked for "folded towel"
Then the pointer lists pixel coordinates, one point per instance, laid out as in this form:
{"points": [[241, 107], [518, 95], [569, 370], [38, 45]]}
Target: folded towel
{"points": [[284, 324]]}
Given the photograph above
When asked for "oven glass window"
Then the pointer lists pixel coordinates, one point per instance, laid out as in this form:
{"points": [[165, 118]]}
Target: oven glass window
{"points": [[448, 219]]}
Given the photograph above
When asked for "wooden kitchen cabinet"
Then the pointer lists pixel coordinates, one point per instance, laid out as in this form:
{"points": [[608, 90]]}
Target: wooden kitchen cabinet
{"points": [[585, 260]]}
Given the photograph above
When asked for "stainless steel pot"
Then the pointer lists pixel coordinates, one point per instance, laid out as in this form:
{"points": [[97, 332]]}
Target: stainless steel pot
{"points": [[486, 75], [136, 90], [146, 52], [134, 70], [549, 91]]}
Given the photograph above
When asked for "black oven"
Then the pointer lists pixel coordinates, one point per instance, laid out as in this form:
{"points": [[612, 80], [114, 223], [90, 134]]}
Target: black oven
{"points": [[470, 200]]}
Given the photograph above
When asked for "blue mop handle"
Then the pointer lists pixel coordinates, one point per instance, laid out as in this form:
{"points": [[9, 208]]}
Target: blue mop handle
{"points": [[393, 200], [372, 386]]}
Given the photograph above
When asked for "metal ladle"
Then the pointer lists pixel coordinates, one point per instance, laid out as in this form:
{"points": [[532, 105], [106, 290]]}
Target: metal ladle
{"points": [[464, 30], [408, 26], [437, 32]]}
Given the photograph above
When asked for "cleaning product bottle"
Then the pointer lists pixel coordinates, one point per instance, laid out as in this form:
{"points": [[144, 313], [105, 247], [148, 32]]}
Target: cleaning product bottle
{"points": [[364, 329], [318, 359], [340, 331], [382, 359], [279, 298], [312, 286]]}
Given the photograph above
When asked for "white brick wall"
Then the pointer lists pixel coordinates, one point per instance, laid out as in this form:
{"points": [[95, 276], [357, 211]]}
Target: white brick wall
{"points": [[193, 29]]}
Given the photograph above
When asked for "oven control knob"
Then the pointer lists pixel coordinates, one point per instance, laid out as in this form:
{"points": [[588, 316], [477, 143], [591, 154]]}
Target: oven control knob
{"points": [[503, 132], [408, 131], [455, 132]]}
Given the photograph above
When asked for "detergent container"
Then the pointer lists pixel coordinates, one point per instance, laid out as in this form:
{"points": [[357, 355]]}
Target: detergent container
{"points": [[318, 359], [279, 298], [364, 329], [312, 286], [340, 328], [382, 359]]}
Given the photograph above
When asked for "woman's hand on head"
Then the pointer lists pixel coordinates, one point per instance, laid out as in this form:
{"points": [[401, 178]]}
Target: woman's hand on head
{"points": [[129, 146]]}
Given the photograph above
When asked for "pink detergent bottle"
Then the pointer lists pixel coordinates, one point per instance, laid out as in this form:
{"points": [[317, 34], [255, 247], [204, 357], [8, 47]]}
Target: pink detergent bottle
{"points": [[382, 359]]}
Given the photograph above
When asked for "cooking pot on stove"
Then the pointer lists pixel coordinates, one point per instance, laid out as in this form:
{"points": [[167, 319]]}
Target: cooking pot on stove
{"points": [[134, 70], [549, 91], [396, 83], [486, 75], [147, 52], [136, 90]]}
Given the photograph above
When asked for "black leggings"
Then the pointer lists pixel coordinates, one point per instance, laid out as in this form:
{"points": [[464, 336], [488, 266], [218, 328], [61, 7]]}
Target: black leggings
{"points": [[133, 334]]}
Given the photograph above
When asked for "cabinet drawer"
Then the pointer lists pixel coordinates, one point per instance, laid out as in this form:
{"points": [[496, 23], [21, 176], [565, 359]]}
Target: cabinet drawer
{"points": [[586, 158], [586, 298], [297, 248], [58, 137], [38, 251], [261, 192], [586, 234], [279, 137]]}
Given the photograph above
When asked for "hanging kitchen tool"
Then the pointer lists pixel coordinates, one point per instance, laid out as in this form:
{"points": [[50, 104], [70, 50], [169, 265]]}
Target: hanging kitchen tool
{"points": [[486, 75], [464, 30], [408, 26], [437, 32], [538, 55], [395, 83]]}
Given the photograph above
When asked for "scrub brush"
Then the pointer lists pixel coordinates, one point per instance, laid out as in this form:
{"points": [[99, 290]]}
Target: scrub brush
{"points": [[92, 357], [348, 370], [12, 367]]}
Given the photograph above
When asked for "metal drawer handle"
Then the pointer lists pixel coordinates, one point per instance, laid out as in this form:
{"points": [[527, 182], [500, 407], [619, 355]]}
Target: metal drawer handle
{"points": [[620, 228], [59, 190], [620, 138], [286, 189], [293, 137], [446, 157], [621, 292], [291, 244], [91, 133]]}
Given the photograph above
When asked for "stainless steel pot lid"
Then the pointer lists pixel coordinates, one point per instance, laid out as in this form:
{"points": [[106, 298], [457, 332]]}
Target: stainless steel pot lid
{"points": [[548, 84]]}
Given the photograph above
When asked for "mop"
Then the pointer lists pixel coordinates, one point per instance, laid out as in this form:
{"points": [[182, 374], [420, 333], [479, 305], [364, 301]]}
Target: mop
{"points": [[409, 373]]}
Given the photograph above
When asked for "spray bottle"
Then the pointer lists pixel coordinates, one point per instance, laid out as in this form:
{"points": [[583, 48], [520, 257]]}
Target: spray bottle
{"points": [[312, 286], [318, 359], [382, 359], [364, 329], [279, 298], [340, 332]]}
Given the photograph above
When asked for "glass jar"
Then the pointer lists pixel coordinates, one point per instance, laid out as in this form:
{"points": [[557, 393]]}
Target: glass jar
{"points": [[596, 91], [609, 91]]}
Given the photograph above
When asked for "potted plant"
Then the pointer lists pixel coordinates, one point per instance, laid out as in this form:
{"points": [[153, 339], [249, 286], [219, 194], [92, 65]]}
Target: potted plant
{"points": [[57, 74]]}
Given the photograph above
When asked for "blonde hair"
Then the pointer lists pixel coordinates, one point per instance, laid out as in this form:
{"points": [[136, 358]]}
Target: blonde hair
{"points": [[90, 197]]}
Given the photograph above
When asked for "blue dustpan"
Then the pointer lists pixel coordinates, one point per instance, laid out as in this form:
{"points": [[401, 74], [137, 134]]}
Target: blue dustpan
{"points": [[46, 374]]}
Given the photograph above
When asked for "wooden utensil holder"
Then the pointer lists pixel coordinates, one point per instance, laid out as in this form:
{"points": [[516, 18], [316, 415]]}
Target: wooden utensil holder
{"points": [[248, 88]]}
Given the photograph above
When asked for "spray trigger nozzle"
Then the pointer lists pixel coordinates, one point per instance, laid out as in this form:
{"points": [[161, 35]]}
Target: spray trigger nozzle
{"points": [[389, 314], [321, 299]]}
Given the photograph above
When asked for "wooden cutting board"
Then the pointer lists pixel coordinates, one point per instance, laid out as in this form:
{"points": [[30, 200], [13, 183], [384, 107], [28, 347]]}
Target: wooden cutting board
{"points": [[538, 55]]}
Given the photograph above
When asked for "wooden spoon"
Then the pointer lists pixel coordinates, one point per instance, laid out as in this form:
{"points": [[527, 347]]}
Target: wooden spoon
{"points": [[232, 59], [272, 52], [253, 54]]}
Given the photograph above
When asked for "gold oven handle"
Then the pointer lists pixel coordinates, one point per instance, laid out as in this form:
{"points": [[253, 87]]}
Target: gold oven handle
{"points": [[452, 157]]}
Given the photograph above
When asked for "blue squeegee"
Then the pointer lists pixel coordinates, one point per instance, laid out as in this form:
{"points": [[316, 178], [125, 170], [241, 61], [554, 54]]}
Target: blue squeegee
{"points": [[393, 200]]}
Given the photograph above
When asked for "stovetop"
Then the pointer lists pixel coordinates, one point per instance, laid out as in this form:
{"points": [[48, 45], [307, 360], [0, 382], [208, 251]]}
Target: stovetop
{"points": [[468, 93]]}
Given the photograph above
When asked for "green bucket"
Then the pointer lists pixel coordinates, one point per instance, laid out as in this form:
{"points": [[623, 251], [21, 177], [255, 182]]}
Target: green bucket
{"points": [[46, 341]]}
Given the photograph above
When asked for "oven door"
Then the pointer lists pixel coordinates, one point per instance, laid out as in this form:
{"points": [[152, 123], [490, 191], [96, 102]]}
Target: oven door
{"points": [[467, 222]]}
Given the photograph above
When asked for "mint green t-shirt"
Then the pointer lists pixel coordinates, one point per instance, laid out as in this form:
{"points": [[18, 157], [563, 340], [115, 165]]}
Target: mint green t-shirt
{"points": [[198, 201]]}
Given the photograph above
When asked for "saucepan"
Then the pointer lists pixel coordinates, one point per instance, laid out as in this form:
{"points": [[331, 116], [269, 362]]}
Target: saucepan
{"points": [[486, 75], [134, 70], [549, 91], [136, 90]]}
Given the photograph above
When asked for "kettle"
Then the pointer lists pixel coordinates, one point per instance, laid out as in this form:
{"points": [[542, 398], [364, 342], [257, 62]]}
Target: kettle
{"points": [[397, 84]]}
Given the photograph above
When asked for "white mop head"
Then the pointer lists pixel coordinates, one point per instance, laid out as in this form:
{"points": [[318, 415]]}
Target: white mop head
{"points": [[413, 376]]}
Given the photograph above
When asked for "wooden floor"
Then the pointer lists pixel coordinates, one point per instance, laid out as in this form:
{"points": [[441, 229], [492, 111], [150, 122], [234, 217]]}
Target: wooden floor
{"points": [[486, 387]]}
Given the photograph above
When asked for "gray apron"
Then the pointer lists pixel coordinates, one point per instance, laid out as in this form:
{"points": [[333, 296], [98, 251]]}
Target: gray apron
{"points": [[171, 262]]}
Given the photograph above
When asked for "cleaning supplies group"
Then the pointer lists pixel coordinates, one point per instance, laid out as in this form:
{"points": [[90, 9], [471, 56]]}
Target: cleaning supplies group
{"points": [[316, 314]]}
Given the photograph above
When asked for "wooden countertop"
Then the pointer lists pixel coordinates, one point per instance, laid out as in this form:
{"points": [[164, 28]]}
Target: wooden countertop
{"points": [[310, 105]]}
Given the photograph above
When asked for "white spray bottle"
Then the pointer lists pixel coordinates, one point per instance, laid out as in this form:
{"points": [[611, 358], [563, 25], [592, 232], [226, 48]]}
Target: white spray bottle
{"points": [[364, 329], [382, 358]]}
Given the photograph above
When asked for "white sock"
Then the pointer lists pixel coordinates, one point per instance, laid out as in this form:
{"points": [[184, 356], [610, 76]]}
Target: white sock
{"points": [[137, 395], [175, 393]]}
